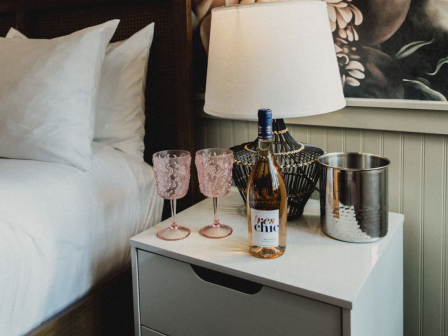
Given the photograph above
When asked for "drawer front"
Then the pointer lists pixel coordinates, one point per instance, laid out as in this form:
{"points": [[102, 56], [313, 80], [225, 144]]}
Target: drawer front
{"points": [[174, 300], [150, 332]]}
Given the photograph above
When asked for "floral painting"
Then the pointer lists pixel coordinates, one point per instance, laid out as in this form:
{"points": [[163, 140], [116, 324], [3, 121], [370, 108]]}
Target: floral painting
{"points": [[386, 49]]}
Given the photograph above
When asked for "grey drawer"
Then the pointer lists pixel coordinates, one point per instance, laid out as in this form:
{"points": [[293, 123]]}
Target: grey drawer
{"points": [[174, 300], [150, 332]]}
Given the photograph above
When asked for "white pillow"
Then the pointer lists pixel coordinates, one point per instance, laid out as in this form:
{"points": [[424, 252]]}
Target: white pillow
{"points": [[120, 109], [48, 94], [13, 33]]}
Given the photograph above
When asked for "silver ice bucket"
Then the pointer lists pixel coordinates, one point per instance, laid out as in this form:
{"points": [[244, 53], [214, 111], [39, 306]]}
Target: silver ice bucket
{"points": [[354, 196]]}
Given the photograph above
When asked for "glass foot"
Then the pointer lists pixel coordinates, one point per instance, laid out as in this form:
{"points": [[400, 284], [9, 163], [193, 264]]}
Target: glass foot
{"points": [[214, 232], [170, 234]]}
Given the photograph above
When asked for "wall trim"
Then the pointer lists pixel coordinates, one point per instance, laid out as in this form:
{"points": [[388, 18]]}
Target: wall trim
{"points": [[371, 118]]}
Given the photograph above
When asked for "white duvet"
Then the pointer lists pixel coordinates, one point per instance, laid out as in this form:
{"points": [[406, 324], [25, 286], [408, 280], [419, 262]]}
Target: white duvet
{"points": [[62, 231]]}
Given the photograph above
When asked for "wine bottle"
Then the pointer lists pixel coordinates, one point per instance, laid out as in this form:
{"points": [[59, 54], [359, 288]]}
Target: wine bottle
{"points": [[266, 197]]}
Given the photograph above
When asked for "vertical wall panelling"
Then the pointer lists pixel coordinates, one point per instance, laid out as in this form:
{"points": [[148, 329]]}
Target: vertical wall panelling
{"points": [[393, 151], [402, 174], [434, 165], [373, 142], [201, 136], [418, 187], [412, 207], [318, 137], [240, 132], [300, 133], [353, 140], [252, 129], [444, 312], [226, 131], [213, 133], [335, 140]]}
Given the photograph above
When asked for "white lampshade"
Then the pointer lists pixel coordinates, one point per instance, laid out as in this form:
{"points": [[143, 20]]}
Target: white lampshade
{"points": [[277, 55]]}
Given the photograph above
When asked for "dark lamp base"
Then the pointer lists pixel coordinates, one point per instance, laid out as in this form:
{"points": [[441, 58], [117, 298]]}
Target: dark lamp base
{"points": [[297, 161]]}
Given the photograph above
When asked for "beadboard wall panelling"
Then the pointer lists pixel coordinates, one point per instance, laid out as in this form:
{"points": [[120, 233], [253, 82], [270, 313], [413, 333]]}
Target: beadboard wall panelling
{"points": [[241, 132], [335, 140], [318, 137], [433, 233], [412, 244], [418, 187], [373, 141], [353, 140], [393, 150], [226, 134], [444, 312], [301, 133]]}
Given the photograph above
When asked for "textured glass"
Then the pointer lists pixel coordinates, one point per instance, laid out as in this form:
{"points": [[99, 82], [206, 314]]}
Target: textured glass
{"points": [[214, 167], [214, 172], [172, 172]]}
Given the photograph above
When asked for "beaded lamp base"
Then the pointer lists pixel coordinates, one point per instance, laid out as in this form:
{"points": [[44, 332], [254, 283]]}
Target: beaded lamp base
{"points": [[297, 161]]}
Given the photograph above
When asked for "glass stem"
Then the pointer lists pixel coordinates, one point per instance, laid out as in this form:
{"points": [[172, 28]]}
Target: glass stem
{"points": [[216, 223], [173, 214]]}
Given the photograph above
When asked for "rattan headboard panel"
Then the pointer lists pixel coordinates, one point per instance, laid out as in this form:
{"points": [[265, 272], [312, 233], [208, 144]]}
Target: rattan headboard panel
{"points": [[7, 20]]}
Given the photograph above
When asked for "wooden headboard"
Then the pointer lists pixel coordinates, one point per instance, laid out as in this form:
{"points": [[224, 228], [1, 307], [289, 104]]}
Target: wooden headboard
{"points": [[169, 108], [169, 89], [169, 99]]}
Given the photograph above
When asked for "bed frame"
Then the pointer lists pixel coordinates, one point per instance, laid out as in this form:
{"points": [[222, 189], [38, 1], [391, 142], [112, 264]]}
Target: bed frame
{"points": [[169, 111]]}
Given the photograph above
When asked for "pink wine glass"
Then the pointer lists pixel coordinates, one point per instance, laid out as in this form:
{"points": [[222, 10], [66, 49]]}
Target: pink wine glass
{"points": [[172, 171], [215, 176]]}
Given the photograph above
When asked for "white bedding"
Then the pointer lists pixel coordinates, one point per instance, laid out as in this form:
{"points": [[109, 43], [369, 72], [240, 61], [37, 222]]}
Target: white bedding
{"points": [[63, 230]]}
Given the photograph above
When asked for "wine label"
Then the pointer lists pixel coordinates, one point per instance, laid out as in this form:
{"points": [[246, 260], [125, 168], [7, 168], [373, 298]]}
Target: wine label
{"points": [[265, 227]]}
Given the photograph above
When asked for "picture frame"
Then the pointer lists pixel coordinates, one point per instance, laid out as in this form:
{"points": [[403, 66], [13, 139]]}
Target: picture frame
{"points": [[397, 104], [399, 51]]}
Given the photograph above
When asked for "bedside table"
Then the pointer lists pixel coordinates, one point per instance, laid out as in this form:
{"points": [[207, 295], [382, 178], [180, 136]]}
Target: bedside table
{"points": [[320, 286]]}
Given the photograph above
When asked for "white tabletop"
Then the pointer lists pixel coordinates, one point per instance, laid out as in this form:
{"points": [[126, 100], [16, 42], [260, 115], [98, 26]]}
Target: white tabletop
{"points": [[314, 265]]}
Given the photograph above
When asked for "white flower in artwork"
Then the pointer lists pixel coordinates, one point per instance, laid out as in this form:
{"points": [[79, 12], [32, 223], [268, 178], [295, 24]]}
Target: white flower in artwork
{"points": [[344, 16], [352, 71]]}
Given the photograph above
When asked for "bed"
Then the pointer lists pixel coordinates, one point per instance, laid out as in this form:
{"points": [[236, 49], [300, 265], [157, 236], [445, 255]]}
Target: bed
{"points": [[65, 220]]}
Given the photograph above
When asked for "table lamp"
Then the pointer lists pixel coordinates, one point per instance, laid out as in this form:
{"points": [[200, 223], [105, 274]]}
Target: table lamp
{"points": [[281, 56]]}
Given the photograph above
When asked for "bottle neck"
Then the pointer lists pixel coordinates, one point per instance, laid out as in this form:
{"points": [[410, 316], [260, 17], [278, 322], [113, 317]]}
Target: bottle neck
{"points": [[265, 148], [265, 133]]}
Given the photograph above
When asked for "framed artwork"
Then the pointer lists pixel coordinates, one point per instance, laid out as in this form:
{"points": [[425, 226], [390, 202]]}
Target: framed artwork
{"points": [[391, 53]]}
